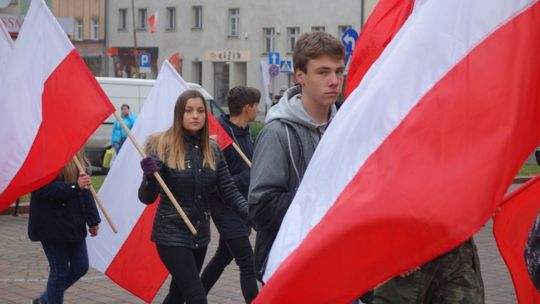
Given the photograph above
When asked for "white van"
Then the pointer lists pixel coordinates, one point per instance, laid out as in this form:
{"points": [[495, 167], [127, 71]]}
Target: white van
{"points": [[132, 92]]}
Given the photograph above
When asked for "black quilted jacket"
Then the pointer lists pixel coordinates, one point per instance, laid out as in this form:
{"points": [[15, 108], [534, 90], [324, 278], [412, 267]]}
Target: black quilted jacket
{"points": [[191, 188]]}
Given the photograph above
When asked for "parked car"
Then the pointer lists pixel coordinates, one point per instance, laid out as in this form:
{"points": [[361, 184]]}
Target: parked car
{"points": [[132, 92]]}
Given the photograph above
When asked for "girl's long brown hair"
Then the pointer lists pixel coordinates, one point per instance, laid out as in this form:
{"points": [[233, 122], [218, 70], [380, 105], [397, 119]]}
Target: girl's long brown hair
{"points": [[169, 146], [70, 172]]}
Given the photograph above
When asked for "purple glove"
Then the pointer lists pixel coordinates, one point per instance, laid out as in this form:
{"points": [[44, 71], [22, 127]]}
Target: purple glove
{"points": [[150, 165]]}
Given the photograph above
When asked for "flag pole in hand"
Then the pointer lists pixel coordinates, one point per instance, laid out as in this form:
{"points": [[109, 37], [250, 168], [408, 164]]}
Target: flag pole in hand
{"points": [[157, 176], [96, 197]]}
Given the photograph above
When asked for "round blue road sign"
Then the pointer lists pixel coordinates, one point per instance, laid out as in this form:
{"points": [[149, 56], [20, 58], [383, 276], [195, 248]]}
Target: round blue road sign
{"points": [[273, 70]]}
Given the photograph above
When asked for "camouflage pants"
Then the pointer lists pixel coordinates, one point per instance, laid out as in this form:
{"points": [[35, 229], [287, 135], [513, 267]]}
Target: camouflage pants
{"points": [[453, 278]]}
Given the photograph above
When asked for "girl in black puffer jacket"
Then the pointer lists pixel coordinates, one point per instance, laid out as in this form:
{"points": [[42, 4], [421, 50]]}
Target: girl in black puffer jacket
{"points": [[193, 167]]}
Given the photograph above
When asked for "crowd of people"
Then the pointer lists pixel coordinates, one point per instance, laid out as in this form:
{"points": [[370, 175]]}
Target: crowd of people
{"points": [[221, 185]]}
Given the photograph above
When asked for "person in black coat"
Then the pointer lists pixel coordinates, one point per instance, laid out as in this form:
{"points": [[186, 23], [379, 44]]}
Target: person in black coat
{"points": [[59, 215], [193, 167], [234, 233]]}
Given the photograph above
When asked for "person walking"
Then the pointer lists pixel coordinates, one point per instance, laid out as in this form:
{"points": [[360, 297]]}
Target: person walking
{"points": [[60, 213], [119, 136], [192, 166], [234, 233], [293, 129]]}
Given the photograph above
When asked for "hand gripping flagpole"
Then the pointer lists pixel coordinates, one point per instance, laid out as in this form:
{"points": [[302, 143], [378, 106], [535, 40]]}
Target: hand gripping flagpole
{"points": [[96, 197], [157, 176]]}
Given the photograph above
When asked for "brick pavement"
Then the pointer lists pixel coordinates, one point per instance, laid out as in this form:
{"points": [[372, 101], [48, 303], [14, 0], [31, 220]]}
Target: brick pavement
{"points": [[23, 273]]}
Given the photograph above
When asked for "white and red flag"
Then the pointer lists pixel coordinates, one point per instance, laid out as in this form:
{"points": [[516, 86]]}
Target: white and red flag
{"points": [[421, 154], [153, 21], [50, 104]]}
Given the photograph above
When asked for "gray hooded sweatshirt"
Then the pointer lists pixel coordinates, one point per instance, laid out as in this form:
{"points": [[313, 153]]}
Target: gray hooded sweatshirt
{"points": [[282, 152]]}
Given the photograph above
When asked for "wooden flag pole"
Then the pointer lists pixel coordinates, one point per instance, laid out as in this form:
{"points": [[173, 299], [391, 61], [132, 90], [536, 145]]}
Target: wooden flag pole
{"points": [[157, 176], [96, 197]]}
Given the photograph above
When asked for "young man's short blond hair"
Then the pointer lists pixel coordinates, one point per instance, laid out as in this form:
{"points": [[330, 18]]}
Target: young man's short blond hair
{"points": [[314, 45]]}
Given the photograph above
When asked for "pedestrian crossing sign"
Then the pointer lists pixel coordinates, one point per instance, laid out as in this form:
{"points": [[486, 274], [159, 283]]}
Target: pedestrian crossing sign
{"points": [[285, 66]]}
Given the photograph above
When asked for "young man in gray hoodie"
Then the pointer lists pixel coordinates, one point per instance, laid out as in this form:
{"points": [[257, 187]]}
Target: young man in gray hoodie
{"points": [[294, 127]]}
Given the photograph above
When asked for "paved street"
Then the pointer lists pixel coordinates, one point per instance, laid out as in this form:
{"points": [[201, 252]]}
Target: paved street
{"points": [[23, 272]]}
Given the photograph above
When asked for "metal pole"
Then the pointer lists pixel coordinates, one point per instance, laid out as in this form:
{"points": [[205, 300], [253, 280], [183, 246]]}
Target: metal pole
{"points": [[362, 13], [135, 52], [106, 38]]}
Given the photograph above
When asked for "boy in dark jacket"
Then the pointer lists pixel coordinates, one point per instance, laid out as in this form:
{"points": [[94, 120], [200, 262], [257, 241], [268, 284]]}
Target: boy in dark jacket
{"points": [[234, 233]]}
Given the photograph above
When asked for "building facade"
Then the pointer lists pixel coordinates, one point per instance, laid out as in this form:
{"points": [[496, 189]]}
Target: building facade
{"points": [[88, 17], [221, 44]]}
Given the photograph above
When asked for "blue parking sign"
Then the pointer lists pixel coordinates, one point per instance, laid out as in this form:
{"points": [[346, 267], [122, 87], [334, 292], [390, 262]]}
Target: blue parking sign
{"points": [[145, 63]]}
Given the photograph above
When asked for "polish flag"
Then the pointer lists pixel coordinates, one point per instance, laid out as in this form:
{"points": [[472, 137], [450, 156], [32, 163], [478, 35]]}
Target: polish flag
{"points": [[511, 226], [428, 144], [49, 105], [152, 21]]}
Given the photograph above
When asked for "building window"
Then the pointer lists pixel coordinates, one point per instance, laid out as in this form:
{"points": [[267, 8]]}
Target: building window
{"points": [[141, 19], [221, 82], [269, 39], [342, 29], [234, 20], [317, 29], [122, 19], [171, 18], [94, 34], [292, 35], [78, 29], [197, 17], [197, 72], [94, 64]]}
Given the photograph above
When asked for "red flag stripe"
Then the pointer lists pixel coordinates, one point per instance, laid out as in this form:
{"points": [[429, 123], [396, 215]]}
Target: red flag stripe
{"points": [[476, 116], [140, 256], [381, 27], [223, 138], [70, 115]]}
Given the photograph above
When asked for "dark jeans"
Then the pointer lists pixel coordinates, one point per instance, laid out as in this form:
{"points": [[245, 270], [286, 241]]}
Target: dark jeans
{"points": [[68, 262], [184, 264], [242, 252]]}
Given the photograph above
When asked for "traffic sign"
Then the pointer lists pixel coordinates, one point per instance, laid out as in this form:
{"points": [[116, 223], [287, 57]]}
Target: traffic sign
{"points": [[286, 66], [145, 63], [273, 57], [348, 39], [273, 70]]}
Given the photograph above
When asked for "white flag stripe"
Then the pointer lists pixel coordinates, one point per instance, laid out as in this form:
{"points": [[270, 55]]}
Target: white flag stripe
{"points": [[40, 48], [383, 99], [119, 190]]}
